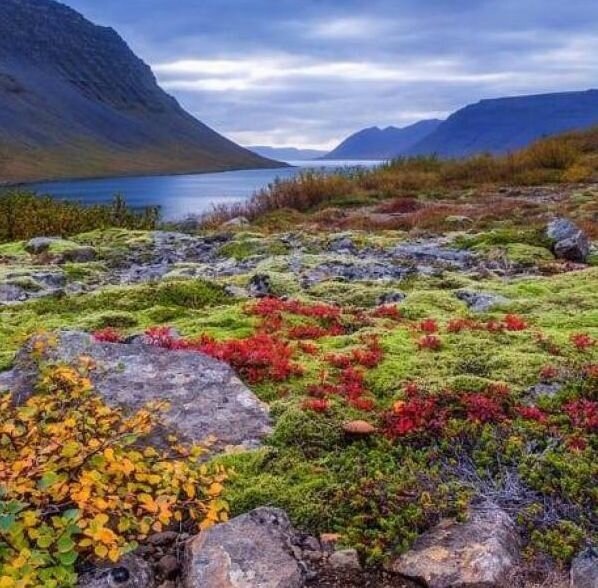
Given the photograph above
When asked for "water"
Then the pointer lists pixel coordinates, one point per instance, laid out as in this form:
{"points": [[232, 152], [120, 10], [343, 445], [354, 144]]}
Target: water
{"points": [[181, 196]]}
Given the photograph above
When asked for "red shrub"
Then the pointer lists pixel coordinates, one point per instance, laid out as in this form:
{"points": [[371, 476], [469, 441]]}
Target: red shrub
{"points": [[107, 335], [498, 389], [401, 205], [432, 342], [482, 409], [339, 360], [549, 372], [257, 358], [163, 337], [582, 341], [461, 324], [532, 413], [365, 404], [428, 326], [576, 443], [308, 347], [514, 322], [307, 332], [390, 311], [583, 413], [316, 404], [415, 415]]}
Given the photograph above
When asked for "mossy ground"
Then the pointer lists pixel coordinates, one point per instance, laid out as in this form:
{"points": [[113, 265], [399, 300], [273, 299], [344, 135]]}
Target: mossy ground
{"points": [[379, 492]]}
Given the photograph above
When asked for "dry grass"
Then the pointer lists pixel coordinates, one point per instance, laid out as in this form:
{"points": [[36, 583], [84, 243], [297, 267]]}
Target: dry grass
{"points": [[571, 157]]}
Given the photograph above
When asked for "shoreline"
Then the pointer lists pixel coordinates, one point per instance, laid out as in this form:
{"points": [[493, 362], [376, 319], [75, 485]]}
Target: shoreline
{"points": [[52, 180]]}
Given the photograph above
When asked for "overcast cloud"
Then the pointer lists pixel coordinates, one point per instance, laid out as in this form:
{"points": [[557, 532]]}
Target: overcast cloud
{"points": [[307, 73]]}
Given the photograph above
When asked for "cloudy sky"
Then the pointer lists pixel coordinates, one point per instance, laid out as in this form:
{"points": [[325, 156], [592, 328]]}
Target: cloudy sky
{"points": [[307, 73]]}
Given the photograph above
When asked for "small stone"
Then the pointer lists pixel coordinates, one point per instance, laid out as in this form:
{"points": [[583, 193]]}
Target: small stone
{"points": [[79, 254], [390, 298], [359, 428], [310, 543], [341, 244], [568, 240], [238, 221], [480, 301], [260, 286], [130, 572], [584, 569], [345, 559], [168, 567], [328, 541], [164, 538]]}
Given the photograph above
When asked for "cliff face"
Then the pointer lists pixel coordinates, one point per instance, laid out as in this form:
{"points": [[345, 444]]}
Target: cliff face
{"points": [[506, 124], [75, 101]]}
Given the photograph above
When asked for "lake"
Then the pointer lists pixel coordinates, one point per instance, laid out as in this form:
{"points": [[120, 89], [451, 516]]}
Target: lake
{"points": [[184, 195]]}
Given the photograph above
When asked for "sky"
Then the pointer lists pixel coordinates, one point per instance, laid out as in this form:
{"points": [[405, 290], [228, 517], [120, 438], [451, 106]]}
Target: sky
{"points": [[307, 73]]}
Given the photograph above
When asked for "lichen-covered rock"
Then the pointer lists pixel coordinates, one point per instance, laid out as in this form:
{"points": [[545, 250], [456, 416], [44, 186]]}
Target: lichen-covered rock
{"points": [[130, 572], [206, 399], [568, 240], [253, 550], [39, 245], [584, 569], [345, 559], [260, 285], [480, 301], [390, 298], [480, 552]]}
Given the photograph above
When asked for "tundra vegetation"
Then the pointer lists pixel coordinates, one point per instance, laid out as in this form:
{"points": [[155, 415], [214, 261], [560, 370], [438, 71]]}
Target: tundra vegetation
{"points": [[500, 402]]}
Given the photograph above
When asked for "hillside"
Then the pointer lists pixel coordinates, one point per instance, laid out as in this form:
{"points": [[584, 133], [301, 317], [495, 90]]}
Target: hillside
{"points": [[376, 143], [287, 153], [75, 102], [504, 124]]}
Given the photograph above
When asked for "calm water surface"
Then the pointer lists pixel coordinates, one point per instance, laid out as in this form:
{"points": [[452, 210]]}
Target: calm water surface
{"points": [[181, 196]]}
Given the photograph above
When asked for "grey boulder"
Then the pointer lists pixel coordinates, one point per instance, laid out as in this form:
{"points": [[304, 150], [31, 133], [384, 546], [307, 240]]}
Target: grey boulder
{"points": [[206, 399], [39, 245], [130, 572], [480, 301], [584, 569], [480, 552], [254, 550], [568, 240]]}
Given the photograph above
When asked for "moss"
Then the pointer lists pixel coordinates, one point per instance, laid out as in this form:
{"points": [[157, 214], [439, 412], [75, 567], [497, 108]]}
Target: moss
{"points": [[117, 320], [309, 433], [189, 293], [240, 249]]}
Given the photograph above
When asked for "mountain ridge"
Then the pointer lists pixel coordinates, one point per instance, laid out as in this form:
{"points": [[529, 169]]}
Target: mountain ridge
{"points": [[500, 125], [75, 101], [387, 143]]}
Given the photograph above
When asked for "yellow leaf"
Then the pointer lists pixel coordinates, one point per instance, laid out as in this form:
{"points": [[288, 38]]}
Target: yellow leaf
{"points": [[215, 489], [101, 551]]}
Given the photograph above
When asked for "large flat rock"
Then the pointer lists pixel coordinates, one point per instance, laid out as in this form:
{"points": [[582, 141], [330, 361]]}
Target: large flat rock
{"points": [[479, 553], [206, 398]]}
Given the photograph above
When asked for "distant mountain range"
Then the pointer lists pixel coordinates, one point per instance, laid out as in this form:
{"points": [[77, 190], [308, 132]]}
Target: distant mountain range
{"points": [[76, 102], [489, 126], [376, 143], [287, 153]]}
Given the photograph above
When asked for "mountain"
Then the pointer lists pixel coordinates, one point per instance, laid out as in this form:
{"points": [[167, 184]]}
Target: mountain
{"points": [[287, 153], [376, 143], [505, 124], [75, 101]]}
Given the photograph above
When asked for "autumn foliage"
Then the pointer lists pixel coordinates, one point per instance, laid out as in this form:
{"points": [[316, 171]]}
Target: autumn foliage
{"points": [[76, 482]]}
